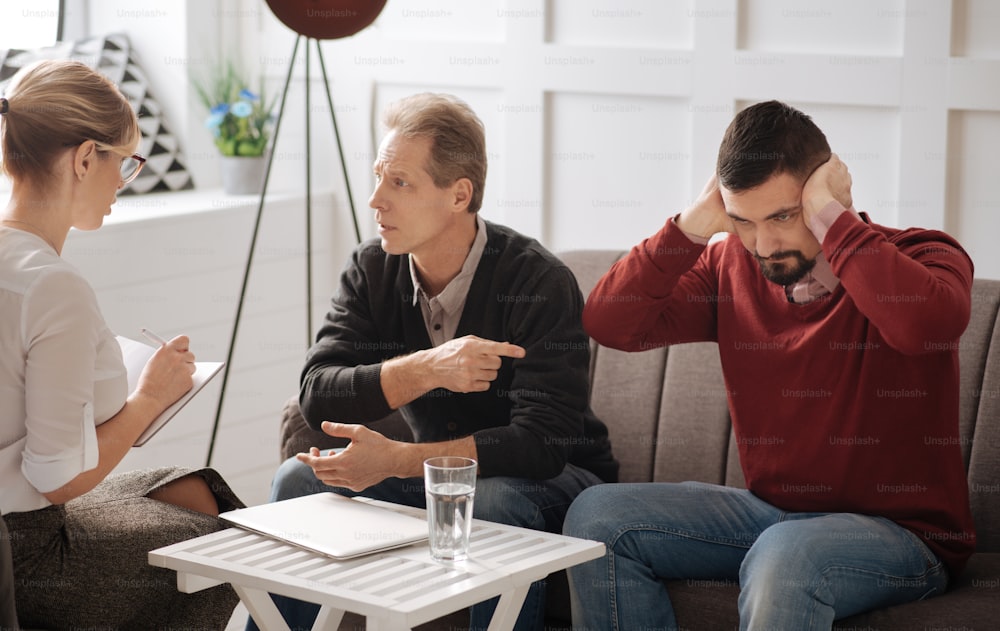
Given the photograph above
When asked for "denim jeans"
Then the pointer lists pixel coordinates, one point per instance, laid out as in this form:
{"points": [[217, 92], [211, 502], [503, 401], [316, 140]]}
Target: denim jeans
{"points": [[796, 571], [535, 504]]}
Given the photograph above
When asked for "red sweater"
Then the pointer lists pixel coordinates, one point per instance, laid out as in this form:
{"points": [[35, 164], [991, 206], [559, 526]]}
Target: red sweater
{"points": [[845, 404]]}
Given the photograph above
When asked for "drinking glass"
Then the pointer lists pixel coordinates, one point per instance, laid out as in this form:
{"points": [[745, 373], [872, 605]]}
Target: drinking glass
{"points": [[450, 487]]}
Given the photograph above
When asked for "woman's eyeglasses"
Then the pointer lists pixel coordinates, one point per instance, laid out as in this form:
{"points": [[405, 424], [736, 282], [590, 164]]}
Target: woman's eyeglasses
{"points": [[131, 164], [131, 167]]}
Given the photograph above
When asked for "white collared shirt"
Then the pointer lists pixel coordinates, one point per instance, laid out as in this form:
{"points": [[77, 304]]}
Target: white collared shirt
{"points": [[61, 372], [443, 311]]}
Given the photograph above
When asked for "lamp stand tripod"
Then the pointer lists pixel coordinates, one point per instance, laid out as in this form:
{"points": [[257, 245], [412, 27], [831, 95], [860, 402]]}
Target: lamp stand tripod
{"points": [[260, 210]]}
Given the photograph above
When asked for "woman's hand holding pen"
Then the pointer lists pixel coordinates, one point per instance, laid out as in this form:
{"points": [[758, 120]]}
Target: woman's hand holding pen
{"points": [[167, 374]]}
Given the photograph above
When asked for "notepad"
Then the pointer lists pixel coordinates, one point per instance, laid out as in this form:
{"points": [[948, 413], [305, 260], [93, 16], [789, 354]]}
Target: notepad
{"points": [[136, 354], [333, 525]]}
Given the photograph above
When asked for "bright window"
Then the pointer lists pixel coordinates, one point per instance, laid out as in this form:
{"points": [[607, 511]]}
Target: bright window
{"points": [[28, 23]]}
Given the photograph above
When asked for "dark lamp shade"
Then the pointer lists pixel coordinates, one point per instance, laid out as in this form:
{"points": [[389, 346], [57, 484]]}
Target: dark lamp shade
{"points": [[326, 19]]}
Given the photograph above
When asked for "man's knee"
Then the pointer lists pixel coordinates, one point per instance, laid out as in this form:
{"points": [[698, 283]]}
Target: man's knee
{"points": [[504, 500], [294, 479], [782, 558], [588, 517]]}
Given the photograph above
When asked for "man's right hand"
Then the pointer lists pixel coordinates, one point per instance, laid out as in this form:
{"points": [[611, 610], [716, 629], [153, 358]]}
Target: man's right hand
{"points": [[468, 364], [707, 215], [465, 364]]}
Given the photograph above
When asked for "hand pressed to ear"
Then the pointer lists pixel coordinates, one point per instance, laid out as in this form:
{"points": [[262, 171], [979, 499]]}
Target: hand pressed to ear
{"points": [[830, 181], [707, 215]]}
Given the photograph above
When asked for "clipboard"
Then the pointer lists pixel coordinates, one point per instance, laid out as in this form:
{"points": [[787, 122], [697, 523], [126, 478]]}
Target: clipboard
{"points": [[135, 355]]}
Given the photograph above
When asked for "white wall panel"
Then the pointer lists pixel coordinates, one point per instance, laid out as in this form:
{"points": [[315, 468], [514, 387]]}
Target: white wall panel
{"points": [[621, 24], [867, 140], [616, 164], [448, 20], [871, 27], [972, 187], [976, 28], [973, 83], [822, 78]]}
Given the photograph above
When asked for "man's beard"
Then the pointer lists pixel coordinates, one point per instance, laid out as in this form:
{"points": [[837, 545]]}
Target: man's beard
{"points": [[777, 268]]}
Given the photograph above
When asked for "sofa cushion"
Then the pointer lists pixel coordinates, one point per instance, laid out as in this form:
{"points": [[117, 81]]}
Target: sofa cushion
{"points": [[705, 604], [971, 604], [625, 393], [693, 435], [973, 355], [981, 435]]}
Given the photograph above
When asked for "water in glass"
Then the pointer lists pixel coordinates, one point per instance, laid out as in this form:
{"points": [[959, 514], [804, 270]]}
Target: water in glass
{"points": [[449, 516]]}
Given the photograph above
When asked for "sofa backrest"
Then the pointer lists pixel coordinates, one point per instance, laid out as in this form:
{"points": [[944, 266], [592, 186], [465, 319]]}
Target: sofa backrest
{"points": [[667, 415]]}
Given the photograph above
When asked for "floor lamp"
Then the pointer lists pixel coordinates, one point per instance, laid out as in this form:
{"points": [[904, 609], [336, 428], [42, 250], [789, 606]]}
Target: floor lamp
{"points": [[313, 20]]}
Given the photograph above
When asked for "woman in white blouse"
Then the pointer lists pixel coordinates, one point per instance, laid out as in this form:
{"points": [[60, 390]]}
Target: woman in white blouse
{"points": [[79, 536]]}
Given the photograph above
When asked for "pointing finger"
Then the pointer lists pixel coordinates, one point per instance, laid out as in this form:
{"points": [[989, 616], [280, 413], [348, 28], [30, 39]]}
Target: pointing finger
{"points": [[504, 349]]}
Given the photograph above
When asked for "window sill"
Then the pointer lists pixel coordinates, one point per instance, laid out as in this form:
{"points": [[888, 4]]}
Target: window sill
{"points": [[153, 206]]}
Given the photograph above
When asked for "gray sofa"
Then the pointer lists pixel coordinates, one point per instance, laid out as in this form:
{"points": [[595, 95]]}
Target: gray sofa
{"points": [[667, 415]]}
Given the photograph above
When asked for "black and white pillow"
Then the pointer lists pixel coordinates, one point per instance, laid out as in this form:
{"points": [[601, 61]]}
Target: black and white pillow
{"points": [[112, 55]]}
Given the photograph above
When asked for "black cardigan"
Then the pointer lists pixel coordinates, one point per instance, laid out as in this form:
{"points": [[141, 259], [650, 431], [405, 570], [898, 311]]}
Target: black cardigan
{"points": [[534, 418]]}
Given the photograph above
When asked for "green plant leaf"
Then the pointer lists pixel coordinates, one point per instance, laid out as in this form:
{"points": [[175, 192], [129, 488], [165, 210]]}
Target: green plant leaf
{"points": [[247, 136]]}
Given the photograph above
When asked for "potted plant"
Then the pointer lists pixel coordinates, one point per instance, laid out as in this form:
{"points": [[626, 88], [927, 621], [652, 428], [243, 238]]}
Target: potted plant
{"points": [[241, 124]]}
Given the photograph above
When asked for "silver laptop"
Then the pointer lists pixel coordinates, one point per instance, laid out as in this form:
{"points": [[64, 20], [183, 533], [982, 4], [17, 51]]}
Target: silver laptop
{"points": [[331, 524]]}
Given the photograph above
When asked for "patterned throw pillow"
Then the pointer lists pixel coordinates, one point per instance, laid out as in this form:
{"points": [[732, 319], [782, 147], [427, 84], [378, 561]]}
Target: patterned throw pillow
{"points": [[112, 55]]}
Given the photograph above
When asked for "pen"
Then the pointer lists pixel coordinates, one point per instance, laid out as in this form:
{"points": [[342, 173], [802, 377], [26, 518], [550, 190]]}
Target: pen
{"points": [[154, 337]]}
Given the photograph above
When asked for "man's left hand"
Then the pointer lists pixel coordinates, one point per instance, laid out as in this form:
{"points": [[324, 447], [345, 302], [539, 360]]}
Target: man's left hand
{"points": [[830, 181], [365, 462]]}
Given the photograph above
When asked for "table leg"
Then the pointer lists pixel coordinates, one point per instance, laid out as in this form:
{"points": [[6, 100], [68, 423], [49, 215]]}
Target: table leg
{"points": [[328, 619], [262, 608], [508, 608], [379, 624]]}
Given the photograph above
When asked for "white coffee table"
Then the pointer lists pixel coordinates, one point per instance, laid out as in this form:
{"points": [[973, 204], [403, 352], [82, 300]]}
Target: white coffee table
{"points": [[395, 589]]}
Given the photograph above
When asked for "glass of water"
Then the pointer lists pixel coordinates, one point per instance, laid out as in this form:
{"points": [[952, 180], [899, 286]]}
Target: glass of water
{"points": [[450, 486]]}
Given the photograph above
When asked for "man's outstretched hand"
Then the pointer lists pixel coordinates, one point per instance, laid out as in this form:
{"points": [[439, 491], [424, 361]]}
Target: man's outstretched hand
{"points": [[365, 462], [470, 363], [465, 364]]}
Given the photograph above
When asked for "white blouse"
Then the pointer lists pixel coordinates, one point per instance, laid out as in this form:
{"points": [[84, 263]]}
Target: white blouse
{"points": [[61, 372]]}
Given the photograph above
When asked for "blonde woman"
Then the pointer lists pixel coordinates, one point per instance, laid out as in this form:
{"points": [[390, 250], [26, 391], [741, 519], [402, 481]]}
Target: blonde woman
{"points": [[79, 537]]}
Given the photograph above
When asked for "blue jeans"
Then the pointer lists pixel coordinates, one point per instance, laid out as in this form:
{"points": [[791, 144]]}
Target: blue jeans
{"points": [[535, 504], [796, 571]]}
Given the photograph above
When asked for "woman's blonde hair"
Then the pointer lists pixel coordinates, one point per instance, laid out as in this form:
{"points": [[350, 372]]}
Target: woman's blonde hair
{"points": [[56, 104], [459, 138]]}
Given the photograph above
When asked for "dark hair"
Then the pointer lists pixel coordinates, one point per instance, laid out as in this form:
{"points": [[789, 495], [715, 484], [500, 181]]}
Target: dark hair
{"points": [[768, 139], [459, 138], [55, 104]]}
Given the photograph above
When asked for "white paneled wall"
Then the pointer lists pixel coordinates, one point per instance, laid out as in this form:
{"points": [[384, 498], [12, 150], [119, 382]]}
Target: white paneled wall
{"points": [[604, 116], [603, 119]]}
